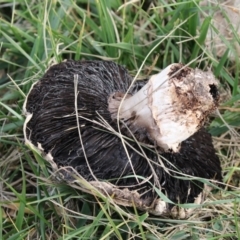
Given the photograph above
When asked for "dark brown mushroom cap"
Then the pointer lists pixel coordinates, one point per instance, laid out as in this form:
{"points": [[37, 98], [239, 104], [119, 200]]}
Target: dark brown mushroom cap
{"points": [[52, 127]]}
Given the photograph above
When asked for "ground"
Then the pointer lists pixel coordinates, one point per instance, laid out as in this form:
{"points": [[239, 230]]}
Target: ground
{"points": [[145, 37]]}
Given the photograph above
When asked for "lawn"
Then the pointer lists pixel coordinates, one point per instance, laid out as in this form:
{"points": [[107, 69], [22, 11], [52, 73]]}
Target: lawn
{"points": [[145, 37]]}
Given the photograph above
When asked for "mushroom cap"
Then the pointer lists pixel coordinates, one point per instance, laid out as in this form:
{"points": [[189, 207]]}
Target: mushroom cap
{"points": [[51, 125]]}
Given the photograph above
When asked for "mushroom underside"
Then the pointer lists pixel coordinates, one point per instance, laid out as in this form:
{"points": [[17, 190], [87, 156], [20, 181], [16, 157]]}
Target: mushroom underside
{"points": [[90, 144]]}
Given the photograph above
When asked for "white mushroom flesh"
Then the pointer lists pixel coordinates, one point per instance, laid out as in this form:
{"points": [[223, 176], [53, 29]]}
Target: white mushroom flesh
{"points": [[172, 106]]}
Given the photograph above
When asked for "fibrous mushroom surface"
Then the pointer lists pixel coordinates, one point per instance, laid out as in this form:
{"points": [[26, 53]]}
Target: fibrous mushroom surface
{"points": [[82, 114]]}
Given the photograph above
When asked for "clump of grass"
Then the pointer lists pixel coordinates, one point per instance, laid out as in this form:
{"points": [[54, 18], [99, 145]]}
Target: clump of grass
{"points": [[149, 36]]}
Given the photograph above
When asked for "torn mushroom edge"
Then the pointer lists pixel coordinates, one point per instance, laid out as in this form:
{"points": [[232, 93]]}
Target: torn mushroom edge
{"points": [[39, 149]]}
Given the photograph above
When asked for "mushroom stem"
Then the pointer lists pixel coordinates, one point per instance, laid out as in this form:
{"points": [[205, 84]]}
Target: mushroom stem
{"points": [[136, 107], [171, 107]]}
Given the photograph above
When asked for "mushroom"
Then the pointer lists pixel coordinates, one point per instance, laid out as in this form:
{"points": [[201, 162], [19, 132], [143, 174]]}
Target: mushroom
{"points": [[127, 138]]}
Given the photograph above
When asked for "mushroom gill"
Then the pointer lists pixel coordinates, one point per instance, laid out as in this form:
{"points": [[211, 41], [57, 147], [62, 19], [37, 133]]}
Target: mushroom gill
{"points": [[165, 115]]}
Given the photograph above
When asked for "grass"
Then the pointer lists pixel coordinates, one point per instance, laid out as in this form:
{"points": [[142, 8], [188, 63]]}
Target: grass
{"points": [[35, 34]]}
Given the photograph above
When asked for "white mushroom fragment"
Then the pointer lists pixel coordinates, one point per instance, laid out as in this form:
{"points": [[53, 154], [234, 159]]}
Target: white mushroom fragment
{"points": [[172, 106]]}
